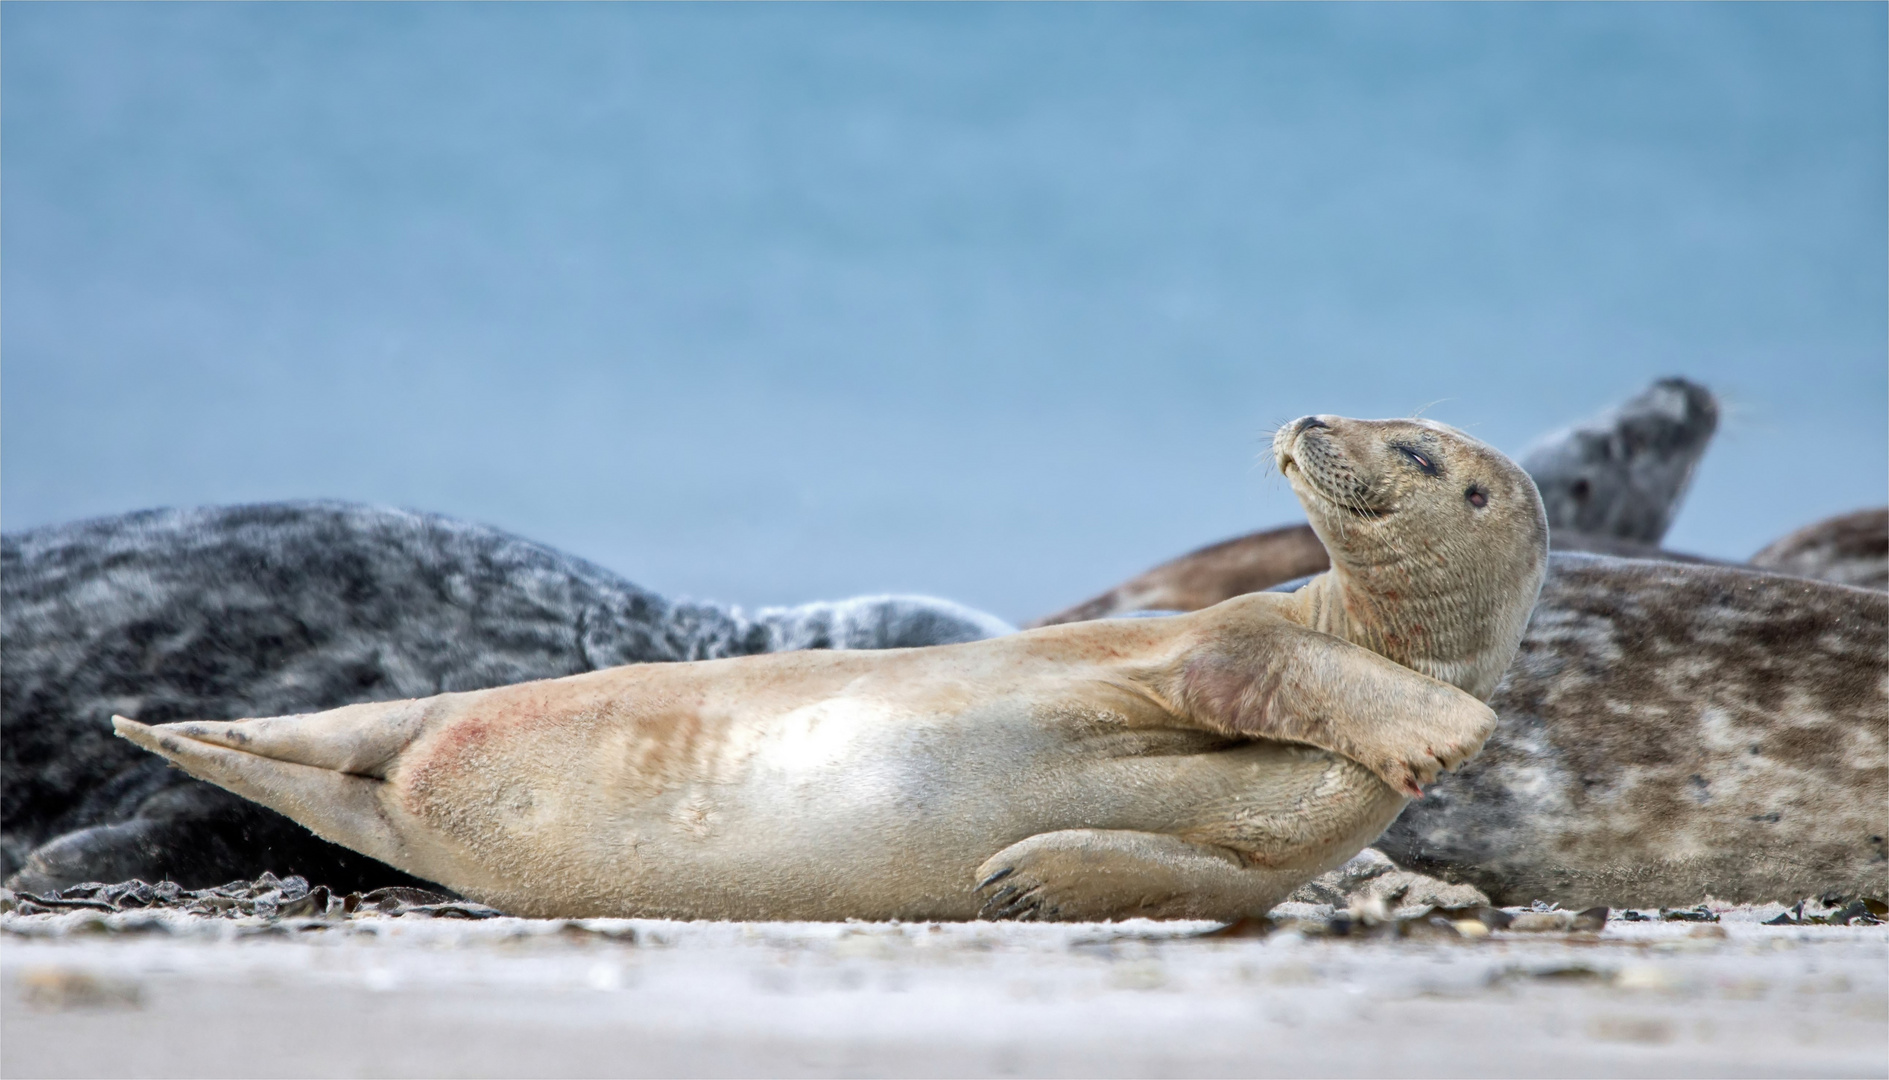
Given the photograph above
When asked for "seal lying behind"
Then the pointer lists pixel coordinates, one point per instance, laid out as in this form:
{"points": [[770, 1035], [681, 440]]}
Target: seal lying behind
{"points": [[1203, 765], [1849, 549], [1670, 732], [1610, 485], [292, 607]]}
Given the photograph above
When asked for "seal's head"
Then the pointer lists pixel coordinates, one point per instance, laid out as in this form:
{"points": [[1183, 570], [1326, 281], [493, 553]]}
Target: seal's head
{"points": [[1438, 542], [1622, 474]]}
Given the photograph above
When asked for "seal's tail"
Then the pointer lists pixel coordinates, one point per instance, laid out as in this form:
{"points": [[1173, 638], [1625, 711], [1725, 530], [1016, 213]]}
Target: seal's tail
{"points": [[325, 770]]}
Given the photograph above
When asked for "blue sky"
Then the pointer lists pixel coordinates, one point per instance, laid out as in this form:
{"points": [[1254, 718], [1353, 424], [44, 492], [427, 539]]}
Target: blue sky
{"points": [[776, 303]]}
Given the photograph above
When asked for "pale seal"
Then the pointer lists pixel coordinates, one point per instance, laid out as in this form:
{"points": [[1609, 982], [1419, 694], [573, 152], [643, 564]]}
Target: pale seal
{"points": [[1670, 732], [1610, 485], [1849, 549], [1201, 765], [288, 607]]}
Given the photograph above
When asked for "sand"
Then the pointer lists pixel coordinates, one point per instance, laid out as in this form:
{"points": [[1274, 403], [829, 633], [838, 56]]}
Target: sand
{"points": [[172, 994]]}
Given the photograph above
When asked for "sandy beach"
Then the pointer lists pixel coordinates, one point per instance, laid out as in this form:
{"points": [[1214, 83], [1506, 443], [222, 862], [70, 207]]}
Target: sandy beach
{"points": [[166, 993]]}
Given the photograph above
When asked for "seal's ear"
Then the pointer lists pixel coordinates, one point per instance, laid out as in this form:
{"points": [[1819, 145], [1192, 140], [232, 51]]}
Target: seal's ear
{"points": [[1296, 685]]}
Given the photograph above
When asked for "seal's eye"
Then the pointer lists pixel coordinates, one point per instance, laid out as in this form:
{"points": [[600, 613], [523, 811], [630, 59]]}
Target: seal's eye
{"points": [[1477, 497], [1429, 468]]}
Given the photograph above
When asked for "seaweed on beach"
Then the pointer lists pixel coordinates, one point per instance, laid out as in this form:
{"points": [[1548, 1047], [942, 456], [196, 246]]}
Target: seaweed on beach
{"points": [[1864, 911], [266, 897], [1436, 923]]}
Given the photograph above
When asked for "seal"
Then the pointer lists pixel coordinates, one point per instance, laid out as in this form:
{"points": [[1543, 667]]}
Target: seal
{"points": [[1202, 765], [1610, 485], [1671, 732], [1622, 474], [1205, 577], [1575, 798], [1274, 558], [290, 607], [1850, 549]]}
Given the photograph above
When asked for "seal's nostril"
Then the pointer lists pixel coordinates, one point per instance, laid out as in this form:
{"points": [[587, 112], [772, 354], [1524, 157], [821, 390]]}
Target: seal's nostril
{"points": [[1310, 422]]}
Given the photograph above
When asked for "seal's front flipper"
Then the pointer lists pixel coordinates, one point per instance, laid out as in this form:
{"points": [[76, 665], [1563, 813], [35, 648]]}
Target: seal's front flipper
{"points": [[324, 770], [1274, 680], [1100, 874]]}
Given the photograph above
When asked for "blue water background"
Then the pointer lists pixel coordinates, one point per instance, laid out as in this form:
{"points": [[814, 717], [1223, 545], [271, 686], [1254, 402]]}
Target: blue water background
{"points": [[774, 303]]}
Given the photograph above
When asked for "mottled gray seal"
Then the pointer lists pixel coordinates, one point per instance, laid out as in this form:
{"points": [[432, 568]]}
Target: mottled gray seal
{"points": [[1621, 474], [239, 611], [1670, 732], [1849, 549], [1201, 765], [1610, 485]]}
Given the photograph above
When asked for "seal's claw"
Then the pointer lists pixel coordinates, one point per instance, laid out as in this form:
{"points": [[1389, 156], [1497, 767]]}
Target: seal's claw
{"points": [[1025, 906], [996, 901], [1401, 777], [995, 878]]}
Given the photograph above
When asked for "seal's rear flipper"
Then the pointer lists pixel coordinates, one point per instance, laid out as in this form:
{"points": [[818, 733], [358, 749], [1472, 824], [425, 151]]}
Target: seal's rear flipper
{"points": [[357, 739], [324, 770]]}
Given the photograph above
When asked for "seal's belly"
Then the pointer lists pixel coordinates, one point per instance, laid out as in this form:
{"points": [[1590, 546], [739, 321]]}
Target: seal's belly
{"points": [[848, 807]]}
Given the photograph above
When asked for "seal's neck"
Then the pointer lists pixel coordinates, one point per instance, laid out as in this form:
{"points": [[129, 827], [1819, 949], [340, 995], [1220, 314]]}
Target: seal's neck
{"points": [[1457, 630]]}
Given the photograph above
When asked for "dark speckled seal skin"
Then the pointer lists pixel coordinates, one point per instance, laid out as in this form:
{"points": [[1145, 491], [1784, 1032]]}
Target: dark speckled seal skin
{"points": [[1669, 732], [1849, 549], [287, 607]]}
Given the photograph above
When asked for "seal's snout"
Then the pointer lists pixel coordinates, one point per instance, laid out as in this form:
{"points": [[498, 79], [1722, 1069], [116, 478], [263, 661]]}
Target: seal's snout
{"points": [[1285, 441], [1327, 458]]}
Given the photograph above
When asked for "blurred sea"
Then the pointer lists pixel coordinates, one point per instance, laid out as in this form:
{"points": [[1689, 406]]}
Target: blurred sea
{"points": [[775, 303]]}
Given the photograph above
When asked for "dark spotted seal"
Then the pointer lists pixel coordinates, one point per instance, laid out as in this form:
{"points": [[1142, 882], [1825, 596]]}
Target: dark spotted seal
{"points": [[1670, 732], [1850, 549]]}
